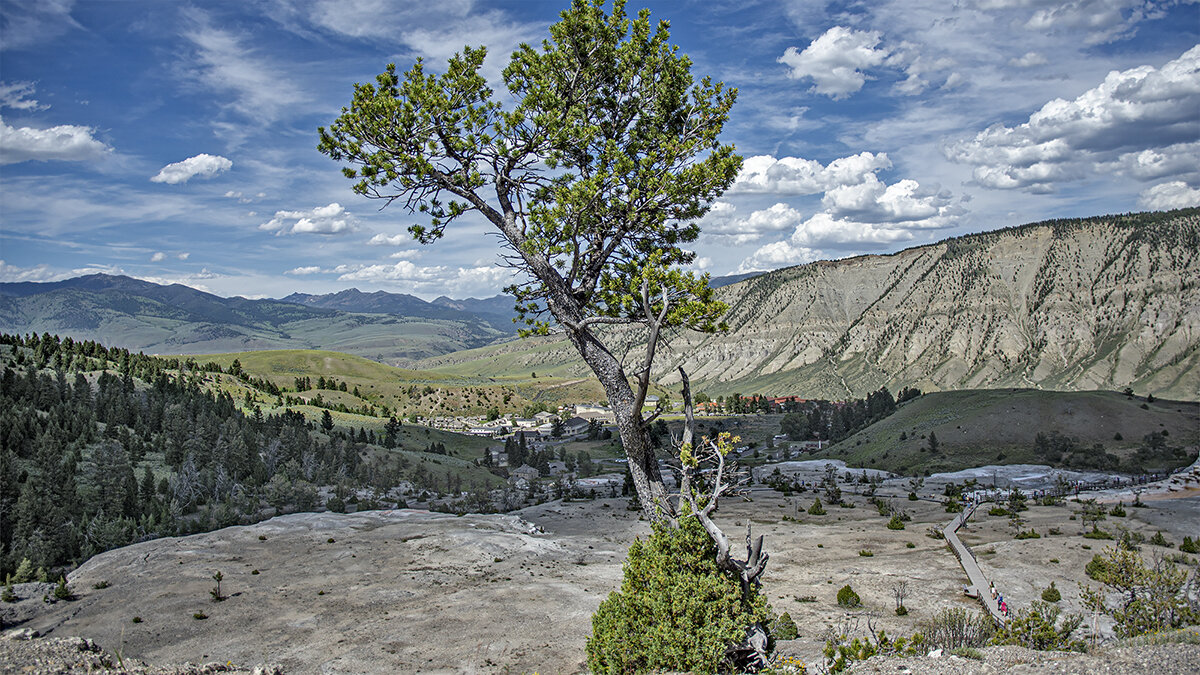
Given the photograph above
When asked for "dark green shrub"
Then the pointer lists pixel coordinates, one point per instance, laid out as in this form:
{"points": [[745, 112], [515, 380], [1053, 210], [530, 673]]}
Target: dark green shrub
{"points": [[675, 610], [846, 597], [1051, 594], [901, 610], [1190, 546], [62, 591], [816, 509], [216, 594], [967, 653], [909, 544], [101, 585], [1097, 533], [1159, 540], [866, 553], [8, 595], [784, 628], [1096, 568], [1118, 510], [1038, 627], [896, 523], [137, 619], [199, 616], [1027, 534]]}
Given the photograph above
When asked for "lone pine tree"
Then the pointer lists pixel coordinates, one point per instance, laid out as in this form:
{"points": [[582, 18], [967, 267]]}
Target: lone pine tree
{"points": [[594, 175]]}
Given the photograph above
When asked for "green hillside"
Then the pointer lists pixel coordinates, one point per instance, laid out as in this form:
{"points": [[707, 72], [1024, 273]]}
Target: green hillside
{"points": [[1000, 426], [384, 390]]}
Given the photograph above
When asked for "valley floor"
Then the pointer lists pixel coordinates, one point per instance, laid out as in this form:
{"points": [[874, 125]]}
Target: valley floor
{"points": [[414, 591]]}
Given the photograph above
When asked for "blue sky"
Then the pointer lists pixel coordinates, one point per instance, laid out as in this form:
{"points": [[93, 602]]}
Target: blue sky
{"points": [[176, 142]]}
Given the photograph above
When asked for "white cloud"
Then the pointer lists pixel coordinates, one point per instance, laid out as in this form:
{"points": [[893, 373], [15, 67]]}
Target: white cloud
{"points": [[797, 176], [13, 95], [1143, 108], [1175, 160], [1029, 60], [778, 254], [204, 165], [158, 256], [874, 202], [870, 214], [29, 22], [302, 271], [11, 273], [1101, 20], [406, 275], [329, 219], [260, 90], [722, 222], [64, 142], [1173, 195], [390, 240], [836, 61], [184, 256], [401, 271]]}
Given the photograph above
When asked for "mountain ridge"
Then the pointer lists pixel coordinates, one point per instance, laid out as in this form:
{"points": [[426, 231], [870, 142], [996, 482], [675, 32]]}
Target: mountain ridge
{"points": [[1074, 304]]}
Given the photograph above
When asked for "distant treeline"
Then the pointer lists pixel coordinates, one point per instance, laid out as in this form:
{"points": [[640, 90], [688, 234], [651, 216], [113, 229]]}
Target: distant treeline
{"points": [[835, 421], [77, 419]]}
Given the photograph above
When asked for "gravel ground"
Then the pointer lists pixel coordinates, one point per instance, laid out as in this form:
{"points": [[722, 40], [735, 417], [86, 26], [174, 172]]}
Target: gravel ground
{"points": [[1171, 659], [21, 653]]}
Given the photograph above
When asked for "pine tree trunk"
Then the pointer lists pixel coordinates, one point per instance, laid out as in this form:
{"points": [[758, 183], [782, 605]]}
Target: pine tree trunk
{"points": [[635, 437]]}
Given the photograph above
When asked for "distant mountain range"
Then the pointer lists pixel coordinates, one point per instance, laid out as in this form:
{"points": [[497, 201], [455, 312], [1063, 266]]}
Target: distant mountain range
{"points": [[1095, 303], [497, 310], [177, 319]]}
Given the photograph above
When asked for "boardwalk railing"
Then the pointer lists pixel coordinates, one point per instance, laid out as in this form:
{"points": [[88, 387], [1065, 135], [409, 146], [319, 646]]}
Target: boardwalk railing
{"points": [[966, 558]]}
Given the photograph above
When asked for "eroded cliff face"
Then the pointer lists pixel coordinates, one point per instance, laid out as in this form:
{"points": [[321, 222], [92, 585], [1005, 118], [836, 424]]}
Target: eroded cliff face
{"points": [[1101, 303]]}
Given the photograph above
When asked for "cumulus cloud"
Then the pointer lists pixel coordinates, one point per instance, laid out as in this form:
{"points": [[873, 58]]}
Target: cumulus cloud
{"points": [[329, 219], [65, 142], [203, 165], [1143, 108], [1173, 195], [11, 273], [184, 255], [869, 214], [778, 254], [435, 278], [1175, 160], [158, 256], [797, 176], [723, 222], [13, 95], [836, 61], [302, 271], [902, 202], [390, 240]]}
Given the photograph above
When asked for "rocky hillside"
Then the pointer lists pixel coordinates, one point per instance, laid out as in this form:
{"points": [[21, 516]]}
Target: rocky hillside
{"points": [[1097, 303], [1100, 303]]}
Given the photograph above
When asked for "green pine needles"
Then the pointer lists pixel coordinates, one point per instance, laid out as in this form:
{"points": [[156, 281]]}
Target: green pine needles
{"points": [[675, 611]]}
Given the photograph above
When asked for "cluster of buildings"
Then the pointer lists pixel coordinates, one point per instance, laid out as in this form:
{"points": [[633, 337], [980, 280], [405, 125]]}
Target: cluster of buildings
{"points": [[568, 422]]}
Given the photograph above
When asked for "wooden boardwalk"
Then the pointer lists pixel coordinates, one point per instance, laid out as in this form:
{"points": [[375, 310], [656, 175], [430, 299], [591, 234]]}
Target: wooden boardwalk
{"points": [[967, 559]]}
